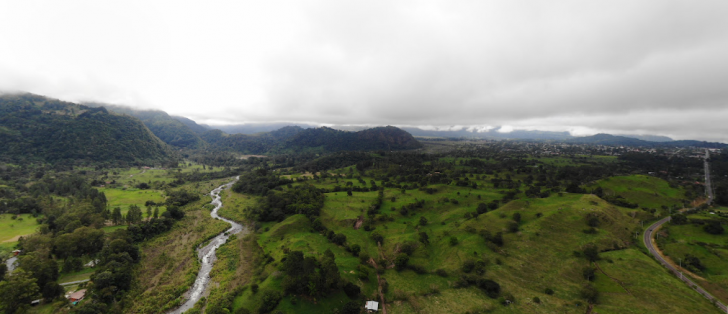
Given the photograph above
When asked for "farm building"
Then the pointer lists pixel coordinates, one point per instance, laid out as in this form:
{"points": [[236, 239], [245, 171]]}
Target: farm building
{"points": [[77, 296], [372, 306]]}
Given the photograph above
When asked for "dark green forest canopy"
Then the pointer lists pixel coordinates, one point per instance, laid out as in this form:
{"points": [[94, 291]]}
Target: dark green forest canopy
{"points": [[39, 129]]}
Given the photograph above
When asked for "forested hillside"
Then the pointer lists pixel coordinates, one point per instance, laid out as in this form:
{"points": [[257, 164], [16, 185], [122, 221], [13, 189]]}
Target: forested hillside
{"points": [[169, 129], [38, 129], [323, 139]]}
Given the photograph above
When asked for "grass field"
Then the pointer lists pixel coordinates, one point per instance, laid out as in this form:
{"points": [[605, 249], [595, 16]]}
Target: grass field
{"points": [[712, 250], [124, 198], [539, 256], [12, 229], [646, 191]]}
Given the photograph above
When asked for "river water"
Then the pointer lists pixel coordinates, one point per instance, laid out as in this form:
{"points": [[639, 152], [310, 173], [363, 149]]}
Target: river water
{"points": [[11, 263], [207, 255]]}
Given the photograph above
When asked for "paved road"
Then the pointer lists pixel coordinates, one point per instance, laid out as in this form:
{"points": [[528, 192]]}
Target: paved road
{"points": [[73, 282], [648, 243]]}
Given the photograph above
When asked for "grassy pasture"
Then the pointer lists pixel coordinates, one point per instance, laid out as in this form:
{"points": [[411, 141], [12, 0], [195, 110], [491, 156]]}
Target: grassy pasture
{"points": [[540, 255], [647, 191], [712, 250], [11, 229], [124, 198]]}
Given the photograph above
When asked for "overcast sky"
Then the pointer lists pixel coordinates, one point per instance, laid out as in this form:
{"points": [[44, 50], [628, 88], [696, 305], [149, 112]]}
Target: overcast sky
{"points": [[643, 67]]}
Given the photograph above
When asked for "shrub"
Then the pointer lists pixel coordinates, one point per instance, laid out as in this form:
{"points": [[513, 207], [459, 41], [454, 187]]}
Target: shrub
{"points": [[468, 266], [441, 272], [254, 288], [591, 253], [512, 226], [401, 261], [491, 288], [453, 241], [355, 249], [589, 293], [536, 300], [377, 237], [419, 269], [339, 239], [351, 290], [589, 273], [270, 301], [351, 307], [364, 257], [548, 291], [423, 221]]}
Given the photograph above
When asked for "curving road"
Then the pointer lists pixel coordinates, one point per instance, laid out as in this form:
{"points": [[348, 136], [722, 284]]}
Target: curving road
{"points": [[647, 239]]}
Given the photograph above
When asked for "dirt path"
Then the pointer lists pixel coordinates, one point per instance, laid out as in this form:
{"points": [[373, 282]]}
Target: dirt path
{"points": [[615, 279], [379, 283]]}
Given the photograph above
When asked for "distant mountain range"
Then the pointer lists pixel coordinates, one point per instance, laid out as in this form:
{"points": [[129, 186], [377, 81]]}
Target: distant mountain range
{"points": [[252, 128], [614, 140], [39, 129]]}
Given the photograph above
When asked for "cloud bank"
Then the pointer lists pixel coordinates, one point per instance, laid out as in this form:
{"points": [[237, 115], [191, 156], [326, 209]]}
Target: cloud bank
{"points": [[655, 67]]}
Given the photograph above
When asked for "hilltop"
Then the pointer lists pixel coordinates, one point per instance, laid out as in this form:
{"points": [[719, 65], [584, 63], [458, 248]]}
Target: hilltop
{"points": [[323, 139]]}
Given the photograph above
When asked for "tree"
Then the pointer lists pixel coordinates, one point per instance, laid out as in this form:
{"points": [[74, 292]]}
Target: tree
{"points": [[134, 215], [156, 212], [116, 217], [377, 237], [270, 301], [497, 239], [591, 253], [423, 221], [351, 290], [714, 227], [589, 273], [18, 291], [453, 241], [355, 249], [400, 263], [339, 239], [351, 307], [678, 219], [491, 288], [517, 217], [424, 238], [589, 293], [512, 226]]}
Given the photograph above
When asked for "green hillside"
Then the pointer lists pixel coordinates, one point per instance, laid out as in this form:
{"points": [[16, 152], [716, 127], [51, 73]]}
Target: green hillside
{"points": [[546, 250], [167, 128], [40, 129]]}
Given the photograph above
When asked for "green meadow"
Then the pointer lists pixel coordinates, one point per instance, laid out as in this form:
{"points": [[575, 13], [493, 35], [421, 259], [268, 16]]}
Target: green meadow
{"points": [[646, 191], [538, 256], [712, 250], [123, 198], [12, 229]]}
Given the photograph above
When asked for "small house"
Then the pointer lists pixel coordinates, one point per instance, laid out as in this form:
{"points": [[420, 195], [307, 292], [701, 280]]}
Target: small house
{"points": [[77, 296], [16, 252], [372, 306]]}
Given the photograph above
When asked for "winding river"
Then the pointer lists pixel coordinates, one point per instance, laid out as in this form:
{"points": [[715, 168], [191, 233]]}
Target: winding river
{"points": [[207, 255]]}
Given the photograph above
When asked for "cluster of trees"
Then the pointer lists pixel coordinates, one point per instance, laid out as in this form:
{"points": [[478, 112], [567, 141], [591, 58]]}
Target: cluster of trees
{"points": [[277, 205], [309, 276], [259, 182]]}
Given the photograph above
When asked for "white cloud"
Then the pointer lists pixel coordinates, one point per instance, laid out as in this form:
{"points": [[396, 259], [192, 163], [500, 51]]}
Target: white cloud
{"points": [[578, 66]]}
